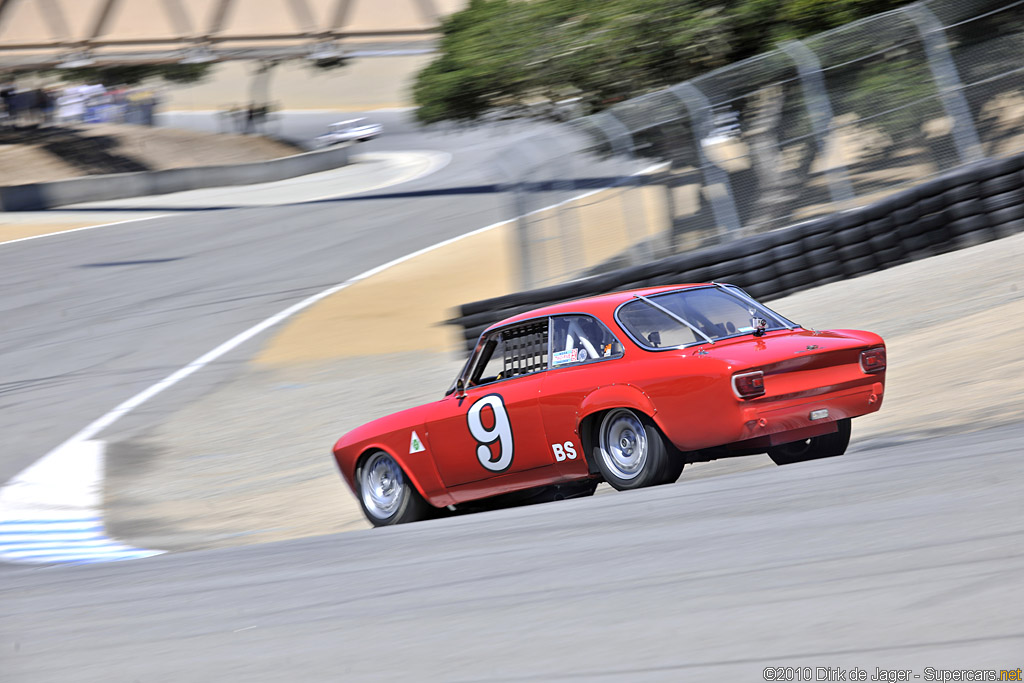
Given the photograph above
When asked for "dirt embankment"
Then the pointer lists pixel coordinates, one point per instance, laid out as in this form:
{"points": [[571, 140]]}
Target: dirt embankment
{"points": [[60, 152]]}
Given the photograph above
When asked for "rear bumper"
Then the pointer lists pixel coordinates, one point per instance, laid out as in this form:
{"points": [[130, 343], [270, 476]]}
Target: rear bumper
{"points": [[773, 424]]}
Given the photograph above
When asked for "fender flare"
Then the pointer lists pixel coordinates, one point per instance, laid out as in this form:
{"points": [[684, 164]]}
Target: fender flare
{"points": [[617, 396], [607, 398]]}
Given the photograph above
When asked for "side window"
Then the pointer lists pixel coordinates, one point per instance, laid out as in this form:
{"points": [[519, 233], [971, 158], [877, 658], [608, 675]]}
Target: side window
{"points": [[512, 352], [580, 338]]}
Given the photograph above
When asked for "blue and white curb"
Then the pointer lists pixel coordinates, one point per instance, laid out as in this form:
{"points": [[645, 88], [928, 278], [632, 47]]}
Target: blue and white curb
{"points": [[50, 512]]}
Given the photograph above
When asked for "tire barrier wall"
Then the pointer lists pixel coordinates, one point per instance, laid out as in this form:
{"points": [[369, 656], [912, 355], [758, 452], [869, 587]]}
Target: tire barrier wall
{"points": [[38, 196], [973, 204]]}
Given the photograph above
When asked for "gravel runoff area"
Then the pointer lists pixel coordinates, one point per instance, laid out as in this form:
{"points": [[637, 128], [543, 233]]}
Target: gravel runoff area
{"points": [[48, 153], [251, 461]]}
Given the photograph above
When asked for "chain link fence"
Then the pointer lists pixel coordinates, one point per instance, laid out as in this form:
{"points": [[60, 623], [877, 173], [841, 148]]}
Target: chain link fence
{"points": [[817, 126]]}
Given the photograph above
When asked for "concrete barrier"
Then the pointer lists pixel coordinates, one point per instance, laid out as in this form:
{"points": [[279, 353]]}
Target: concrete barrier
{"points": [[38, 196]]}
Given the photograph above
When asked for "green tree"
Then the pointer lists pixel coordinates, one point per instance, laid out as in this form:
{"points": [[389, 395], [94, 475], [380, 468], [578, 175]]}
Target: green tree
{"points": [[510, 54]]}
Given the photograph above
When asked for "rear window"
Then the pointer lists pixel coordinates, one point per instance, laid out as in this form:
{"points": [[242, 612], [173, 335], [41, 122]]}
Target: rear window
{"points": [[692, 316]]}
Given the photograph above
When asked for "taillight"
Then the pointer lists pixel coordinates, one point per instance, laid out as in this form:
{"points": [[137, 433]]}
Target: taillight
{"points": [[872, 360], [748, 384]]}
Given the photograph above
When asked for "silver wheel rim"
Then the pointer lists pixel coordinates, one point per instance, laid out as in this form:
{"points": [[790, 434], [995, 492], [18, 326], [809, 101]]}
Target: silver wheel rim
{"points": [[382, 485], [623, 444]]}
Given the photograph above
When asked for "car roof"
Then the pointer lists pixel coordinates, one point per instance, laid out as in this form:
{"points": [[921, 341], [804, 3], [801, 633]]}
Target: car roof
{"points": [[602, 306]]}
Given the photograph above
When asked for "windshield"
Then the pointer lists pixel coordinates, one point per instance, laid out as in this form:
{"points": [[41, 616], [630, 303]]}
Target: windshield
{"points": [[694, 316]]}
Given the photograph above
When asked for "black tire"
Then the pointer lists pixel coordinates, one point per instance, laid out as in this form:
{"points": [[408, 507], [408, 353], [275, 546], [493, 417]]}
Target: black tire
{"points": [[919, 246], [795, 264], [673, 468], [856, 234], [854, 251], [825, 256], [825, 273], [386, 494], [1012, 201], [630, 452], [906, 215], [860, 266], [929, 204], [825, 446], [1000, 184], [887, 258]]}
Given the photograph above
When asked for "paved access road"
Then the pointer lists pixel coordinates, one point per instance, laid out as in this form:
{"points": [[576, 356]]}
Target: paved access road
{"points": [[91, 318], [899, 557]]}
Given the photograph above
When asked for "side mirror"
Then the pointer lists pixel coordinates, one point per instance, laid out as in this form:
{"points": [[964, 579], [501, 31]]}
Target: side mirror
{"points": [[460, 386]]}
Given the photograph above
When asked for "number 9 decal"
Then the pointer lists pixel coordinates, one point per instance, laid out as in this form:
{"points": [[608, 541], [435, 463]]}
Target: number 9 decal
{"points": [[500, 432]]}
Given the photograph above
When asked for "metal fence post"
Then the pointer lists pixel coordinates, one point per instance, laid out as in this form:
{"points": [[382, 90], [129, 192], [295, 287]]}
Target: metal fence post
{"points": [[621, 140], [625, 147], [521, 232], [723, 206], [943, 68], [564, 183], [819, 110]]}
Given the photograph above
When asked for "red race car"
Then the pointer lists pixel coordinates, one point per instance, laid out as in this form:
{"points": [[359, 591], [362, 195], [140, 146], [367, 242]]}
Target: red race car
{"points": [[624, 388]]}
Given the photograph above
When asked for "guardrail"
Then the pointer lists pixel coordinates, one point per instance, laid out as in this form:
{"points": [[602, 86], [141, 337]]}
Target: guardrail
{"points": [[976, 203], [38, 196]]}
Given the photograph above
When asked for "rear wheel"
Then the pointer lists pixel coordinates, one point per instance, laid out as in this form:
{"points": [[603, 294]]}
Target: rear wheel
{"points": [[825, 446], [673, 469], [631, 453], [385, 494]]}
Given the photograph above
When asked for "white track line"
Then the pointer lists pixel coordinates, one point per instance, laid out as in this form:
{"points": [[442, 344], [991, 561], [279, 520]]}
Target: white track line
{"points": [[87, 227], [63, 456], [51, 512]]}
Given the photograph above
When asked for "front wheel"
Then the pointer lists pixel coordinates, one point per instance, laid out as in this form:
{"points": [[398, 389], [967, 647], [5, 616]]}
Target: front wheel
{"points": [[825, 446], [631, 453], [385, 494]]}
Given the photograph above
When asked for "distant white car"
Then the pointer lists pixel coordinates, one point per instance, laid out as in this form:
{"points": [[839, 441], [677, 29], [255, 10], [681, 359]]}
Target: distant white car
{"points": [[353, 130]]}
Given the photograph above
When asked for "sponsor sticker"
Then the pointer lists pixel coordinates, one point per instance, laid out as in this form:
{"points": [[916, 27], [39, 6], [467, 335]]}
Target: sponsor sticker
{"points": [[415, 445], [563, 357]]}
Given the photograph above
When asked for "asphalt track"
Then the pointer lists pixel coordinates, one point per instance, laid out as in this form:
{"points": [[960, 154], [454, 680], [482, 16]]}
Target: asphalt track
{"points": [[91, 318], [900, 557]]}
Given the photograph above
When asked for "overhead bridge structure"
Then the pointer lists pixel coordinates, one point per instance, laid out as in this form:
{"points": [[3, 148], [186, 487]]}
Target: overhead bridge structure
{"points": [[40, 34]]}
